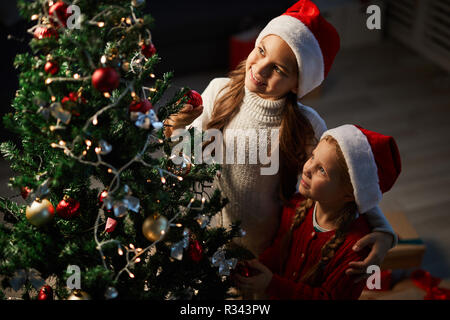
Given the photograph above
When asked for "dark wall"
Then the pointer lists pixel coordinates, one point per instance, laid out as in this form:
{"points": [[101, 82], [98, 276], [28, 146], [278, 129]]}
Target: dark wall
{"points": [[9, 48], [193, 35]]}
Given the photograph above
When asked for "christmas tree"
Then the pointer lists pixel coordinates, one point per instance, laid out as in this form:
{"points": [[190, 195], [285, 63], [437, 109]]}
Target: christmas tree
{"points": [[103, 196]]}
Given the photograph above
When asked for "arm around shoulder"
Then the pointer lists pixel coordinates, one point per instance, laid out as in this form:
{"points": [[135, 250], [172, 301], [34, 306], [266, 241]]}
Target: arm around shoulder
{"points": [[378, 222]]}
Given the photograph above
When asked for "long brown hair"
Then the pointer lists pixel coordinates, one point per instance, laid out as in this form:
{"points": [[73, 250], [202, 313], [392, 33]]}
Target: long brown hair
{"points": [[343, 221], [296, 132]]}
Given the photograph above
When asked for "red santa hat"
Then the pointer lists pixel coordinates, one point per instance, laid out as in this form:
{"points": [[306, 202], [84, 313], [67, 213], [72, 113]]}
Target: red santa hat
{"points": [[373, 162], [314, 41]]}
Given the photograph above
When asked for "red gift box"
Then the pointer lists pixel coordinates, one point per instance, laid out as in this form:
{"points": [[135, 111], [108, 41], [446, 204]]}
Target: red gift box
{"points": [[241, 45]]}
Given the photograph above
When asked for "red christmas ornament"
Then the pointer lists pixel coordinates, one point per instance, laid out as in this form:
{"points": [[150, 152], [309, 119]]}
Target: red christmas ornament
{"points": [[73, 97], [24, 192], [46, 293], [51, 67], [105, 79], [71, 100], [195, 99], [110, 225], [68, 208], [58, 14], [45, 32], [103, 195], [245, 270], [148, 50], [140, 106], [195, 250]]}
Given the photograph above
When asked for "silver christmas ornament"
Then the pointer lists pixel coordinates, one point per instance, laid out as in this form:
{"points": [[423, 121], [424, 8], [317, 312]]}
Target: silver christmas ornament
{"points": [[132, 203], [225, 265], [176, 251], [120, 209], [105, 147], [60, 113], [111, 293]]}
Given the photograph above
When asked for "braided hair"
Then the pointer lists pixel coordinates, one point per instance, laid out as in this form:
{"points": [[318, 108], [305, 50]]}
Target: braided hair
{"points": [[314, 275], [344, 220]]}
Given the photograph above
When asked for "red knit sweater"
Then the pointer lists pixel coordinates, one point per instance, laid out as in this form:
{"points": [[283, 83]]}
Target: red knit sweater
{"points": [[305, 252]]}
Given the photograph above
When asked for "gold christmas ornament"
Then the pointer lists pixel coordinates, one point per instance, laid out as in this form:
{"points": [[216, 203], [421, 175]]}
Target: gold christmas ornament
{"points": [[79, 295], [154, 227], [126, 66], [40, 212]]}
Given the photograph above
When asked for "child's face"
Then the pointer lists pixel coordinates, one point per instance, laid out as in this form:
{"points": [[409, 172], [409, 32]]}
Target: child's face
{"points": [[321, 178], [271, 69]]}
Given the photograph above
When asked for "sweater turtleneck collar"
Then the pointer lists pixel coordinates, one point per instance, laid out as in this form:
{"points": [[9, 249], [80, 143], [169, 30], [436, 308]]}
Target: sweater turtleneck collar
{"points": [[263, 109]]}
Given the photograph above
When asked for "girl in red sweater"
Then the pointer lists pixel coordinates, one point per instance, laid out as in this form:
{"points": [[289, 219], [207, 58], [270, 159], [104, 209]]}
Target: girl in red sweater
{"points": [[347, 173]]}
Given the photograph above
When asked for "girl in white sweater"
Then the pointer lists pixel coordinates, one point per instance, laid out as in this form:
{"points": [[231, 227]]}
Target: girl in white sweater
{"points": [[292, 56]]}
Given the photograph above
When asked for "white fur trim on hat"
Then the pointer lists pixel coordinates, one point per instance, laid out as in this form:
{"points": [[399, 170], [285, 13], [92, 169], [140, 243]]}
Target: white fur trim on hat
{"points": [[305, 47], [361, 165]]}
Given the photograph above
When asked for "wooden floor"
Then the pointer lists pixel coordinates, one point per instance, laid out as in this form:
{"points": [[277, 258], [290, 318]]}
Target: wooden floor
{"points": [[390, 89]]}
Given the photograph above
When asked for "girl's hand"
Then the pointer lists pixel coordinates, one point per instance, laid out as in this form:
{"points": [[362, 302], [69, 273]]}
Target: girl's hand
{"points": [[380, 242], [258, 283], [181, 119]]}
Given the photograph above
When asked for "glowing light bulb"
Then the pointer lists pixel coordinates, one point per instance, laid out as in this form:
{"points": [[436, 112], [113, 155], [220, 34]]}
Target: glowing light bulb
{"points": [[107, 95], [137, 260], [53, 98], [101, 24], [131, 246], [76, 76], [180, 178], [120, 251], [163, 180], [34, 17], [131, 275], [88, 143], [61, 143], [95, 121], [48, 81]]}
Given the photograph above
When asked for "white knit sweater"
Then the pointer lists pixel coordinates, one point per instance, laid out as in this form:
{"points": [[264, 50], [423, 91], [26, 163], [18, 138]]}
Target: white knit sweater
{"points": [[254, 197]]}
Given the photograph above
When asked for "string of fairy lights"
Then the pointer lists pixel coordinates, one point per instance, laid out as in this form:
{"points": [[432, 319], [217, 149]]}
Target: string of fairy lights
{"points": [[132, 254]]}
